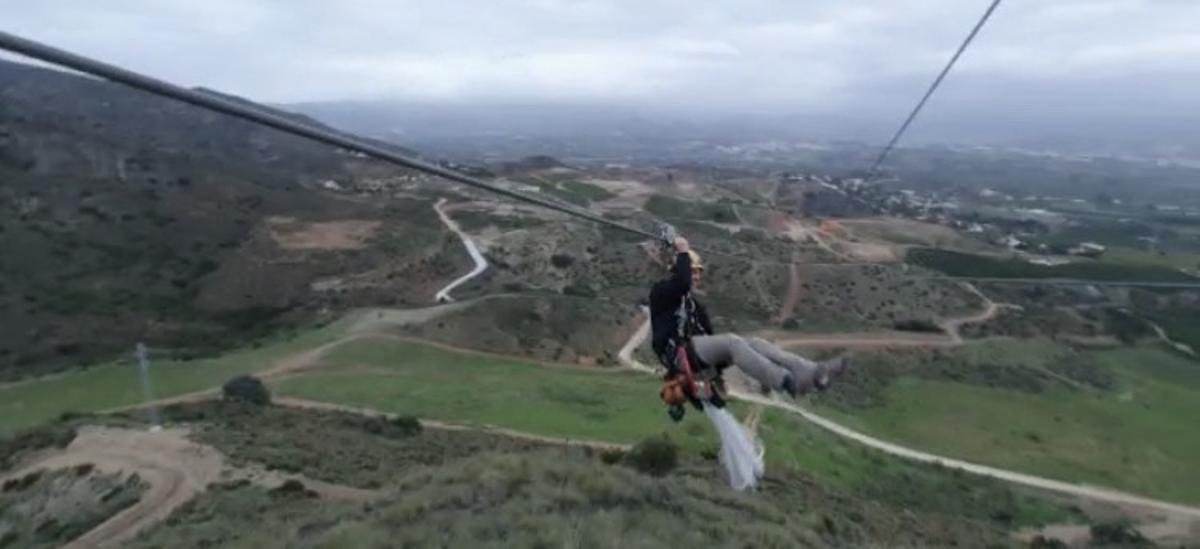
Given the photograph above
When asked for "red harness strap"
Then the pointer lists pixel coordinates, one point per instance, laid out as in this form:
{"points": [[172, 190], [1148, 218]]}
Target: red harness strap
{"points": [[686, 367]]}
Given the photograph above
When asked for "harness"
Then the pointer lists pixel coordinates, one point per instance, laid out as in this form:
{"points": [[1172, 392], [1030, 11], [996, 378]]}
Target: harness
{"points": [[685, 386]]}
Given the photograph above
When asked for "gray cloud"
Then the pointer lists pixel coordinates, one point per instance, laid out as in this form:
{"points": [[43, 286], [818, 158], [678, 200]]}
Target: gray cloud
{"points": [[868, 56]]}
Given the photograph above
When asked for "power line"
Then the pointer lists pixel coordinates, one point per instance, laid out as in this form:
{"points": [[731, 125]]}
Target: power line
{"points": [[932, 87], [254, 113]]}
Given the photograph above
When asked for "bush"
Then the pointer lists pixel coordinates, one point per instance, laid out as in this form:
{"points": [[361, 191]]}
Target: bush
{"points": [[292, 488], [917, 325], [1121, 534], [1043, 542], [612, 456], [579, 290], [1126, 327], [398, 427], [655, 456], [406, 425], [561, 261], [247, 389]]}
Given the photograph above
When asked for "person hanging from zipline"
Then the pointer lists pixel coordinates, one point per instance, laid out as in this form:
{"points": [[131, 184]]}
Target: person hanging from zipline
{"points": [[684, 341]]}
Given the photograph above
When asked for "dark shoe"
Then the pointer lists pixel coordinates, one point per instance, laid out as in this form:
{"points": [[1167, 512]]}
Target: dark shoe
{"points": [[789, 386]]}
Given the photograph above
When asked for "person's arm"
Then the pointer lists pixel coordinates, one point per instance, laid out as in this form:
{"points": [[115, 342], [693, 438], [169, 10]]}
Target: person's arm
{"points": [[681, 275]]}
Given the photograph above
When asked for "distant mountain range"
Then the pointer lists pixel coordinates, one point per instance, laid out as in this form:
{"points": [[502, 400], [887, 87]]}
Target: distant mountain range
{"points": [[515, 130]]}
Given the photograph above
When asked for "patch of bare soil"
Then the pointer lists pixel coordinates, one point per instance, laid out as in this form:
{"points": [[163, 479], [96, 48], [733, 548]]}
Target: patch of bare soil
{"points": [[904, 231], [351, 234]]}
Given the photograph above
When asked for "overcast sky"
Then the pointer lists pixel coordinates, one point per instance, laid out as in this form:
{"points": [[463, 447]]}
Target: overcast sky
{"points": [[871, 56]]}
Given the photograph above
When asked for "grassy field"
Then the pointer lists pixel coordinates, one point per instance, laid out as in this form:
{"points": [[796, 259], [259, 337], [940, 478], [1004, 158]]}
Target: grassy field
{"points": [[413, 379], [964, 264], [849, 494], [1130, 256], [118, 384], [673, 208], [1138, 435], [423, 381], [595, 193], [573, 191]]}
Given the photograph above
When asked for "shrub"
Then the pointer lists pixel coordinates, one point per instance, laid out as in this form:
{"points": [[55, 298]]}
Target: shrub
{"points": [[247, 389], [612, 456], [1043, 542], [406, 425], [1117, 533], [561, 261], [1126, 327], [292, 488], [917, 325], [398, 427], [655, 456], [579, 290]]}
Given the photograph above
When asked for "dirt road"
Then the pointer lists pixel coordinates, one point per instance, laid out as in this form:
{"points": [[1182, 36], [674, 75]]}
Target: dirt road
{"points": [[431, 424], [869, 340], [954, 324], [625, 356], [793, 293], [443, 295]]}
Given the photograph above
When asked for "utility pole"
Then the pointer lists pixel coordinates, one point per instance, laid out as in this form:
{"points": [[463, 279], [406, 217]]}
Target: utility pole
{"points": [[147, 389]]}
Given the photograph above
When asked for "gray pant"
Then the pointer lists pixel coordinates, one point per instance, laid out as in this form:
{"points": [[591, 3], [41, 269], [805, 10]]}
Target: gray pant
{"points": [[759, 359]]}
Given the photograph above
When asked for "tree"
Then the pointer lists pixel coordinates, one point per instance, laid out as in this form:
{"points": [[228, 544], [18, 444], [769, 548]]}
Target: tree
{"points": [[247, 389]]}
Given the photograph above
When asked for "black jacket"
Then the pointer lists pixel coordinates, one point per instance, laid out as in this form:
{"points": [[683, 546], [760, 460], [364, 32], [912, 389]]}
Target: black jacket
{"points": [[666, 298]]}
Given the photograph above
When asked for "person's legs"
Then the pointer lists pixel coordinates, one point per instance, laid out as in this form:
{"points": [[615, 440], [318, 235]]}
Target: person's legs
{"points": [[722, 350], [806, 373]]}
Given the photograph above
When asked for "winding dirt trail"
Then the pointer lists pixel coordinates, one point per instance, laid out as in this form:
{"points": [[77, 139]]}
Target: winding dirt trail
{"points": [[793, 293], [1163, 337], [954, 324], [481, 264], [894, 339], [442, 425], [639, 336]]}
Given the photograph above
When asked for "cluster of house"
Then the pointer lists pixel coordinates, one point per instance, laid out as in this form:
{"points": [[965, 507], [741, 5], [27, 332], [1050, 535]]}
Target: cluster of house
{"points": [[934, 208]]}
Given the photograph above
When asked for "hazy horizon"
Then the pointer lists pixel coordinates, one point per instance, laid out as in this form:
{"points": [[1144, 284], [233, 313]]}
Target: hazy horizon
{"points": [[1113, 71]]}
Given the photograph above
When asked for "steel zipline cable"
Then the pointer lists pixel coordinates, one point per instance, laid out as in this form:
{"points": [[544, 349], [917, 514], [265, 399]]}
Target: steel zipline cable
{"points": [[252, 113], [932, 88]]}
